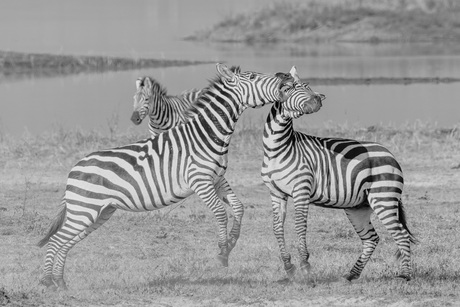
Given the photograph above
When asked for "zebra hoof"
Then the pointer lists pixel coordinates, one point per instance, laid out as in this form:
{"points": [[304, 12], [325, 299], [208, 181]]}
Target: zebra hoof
{"points": [[290, 270], [305, 268], [47, 282], [60, 283], [350, 276], [404, 276], [223, 260]]}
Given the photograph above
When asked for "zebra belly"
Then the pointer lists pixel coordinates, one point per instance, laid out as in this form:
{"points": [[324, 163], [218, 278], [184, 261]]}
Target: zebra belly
{"points": [[130, 198], [338, 198]]}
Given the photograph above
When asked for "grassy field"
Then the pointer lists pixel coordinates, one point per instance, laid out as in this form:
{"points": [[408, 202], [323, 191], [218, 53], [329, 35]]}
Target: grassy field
{"points": [[341, 20], [167, 258]]}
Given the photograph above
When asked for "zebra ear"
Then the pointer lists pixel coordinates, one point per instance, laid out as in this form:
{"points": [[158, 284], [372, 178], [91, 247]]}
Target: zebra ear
{"points": [[294, 74], [225, 72], [148, 82], [139, 83]]}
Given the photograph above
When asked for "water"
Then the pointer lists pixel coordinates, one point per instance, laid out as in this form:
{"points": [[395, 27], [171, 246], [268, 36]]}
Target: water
{"points": [[154, 29]]}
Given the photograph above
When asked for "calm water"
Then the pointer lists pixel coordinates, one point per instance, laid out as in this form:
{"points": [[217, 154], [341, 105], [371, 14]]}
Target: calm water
{"points": [[154, 28]]}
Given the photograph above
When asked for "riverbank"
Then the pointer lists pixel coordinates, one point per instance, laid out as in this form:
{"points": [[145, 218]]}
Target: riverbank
{"points": [[370, 21], [17, 65]]}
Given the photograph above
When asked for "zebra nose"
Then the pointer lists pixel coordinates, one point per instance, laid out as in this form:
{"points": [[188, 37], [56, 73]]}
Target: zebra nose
{"points": [[135, 118]]}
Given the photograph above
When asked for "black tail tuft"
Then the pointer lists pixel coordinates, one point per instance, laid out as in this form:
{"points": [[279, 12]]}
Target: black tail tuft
{"points": [[55, 226], [402, 219]]}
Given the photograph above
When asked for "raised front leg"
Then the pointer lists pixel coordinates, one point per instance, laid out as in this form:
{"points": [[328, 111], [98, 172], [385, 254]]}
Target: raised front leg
{"points": [[279, 203], [301, 203], [204, 188], [226, 194]]}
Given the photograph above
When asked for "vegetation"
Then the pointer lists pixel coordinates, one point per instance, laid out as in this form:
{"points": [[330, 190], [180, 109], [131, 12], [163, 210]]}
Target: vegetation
{"points": [[16, 64], [342, 20], [167, 257]]}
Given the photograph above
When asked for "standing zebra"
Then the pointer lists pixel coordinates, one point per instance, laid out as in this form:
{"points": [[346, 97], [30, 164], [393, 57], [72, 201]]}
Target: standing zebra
{"points": [[164, 111], [359, 177], [154, 173]]}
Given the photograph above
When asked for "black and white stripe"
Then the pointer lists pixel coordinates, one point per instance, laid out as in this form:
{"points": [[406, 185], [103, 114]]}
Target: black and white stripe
{"points": [[164, 111], [157, 172], [359, 177]]}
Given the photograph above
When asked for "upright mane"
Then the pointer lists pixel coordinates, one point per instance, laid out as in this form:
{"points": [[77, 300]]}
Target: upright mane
{"points": [[156, 86], [202, 100]]}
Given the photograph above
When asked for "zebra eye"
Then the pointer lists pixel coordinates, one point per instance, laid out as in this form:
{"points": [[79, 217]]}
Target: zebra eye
{"points": [[252, 76]]}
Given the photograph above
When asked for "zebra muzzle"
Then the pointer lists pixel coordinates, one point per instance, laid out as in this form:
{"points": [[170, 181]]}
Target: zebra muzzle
{"points": [[135, 118]]}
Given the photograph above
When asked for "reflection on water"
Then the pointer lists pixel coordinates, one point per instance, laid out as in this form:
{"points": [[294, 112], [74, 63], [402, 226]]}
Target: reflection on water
{"points": [[153, 28]]}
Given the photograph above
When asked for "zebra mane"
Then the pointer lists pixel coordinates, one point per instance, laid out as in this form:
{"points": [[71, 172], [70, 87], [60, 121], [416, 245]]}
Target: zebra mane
{"points": [[161, 90], [201, 101]]}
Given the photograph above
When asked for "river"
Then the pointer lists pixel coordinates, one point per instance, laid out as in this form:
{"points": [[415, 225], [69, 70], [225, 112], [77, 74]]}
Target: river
{"points": [[155, 29]]}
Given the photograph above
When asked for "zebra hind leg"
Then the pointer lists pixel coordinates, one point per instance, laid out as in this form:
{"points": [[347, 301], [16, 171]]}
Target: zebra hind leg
{"points": [[360, 218], [391, 214], [63, 243]]}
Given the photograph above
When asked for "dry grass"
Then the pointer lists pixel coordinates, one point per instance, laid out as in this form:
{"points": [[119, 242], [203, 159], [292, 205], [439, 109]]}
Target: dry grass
{"points": [[167, 257]]}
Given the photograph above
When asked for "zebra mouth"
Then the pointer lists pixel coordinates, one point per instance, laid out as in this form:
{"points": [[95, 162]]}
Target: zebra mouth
{"points": [[135, 118]]}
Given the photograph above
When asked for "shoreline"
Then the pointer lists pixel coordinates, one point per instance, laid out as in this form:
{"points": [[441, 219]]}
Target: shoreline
{"points": [[380, 80], [16, 65]]}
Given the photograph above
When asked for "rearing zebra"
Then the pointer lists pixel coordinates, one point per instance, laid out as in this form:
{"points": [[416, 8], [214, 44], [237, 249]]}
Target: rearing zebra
{"points": [[164, 111], [359, 177], [154, 173]]}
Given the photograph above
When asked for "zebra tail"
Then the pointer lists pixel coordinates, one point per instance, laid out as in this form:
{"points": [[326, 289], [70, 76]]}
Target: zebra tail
{"points": [[402, 219], [56, 224]]}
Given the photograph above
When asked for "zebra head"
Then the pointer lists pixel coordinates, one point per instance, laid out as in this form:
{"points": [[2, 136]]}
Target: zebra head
{"points": [[301, 98], [147, 92], [255, 89]]}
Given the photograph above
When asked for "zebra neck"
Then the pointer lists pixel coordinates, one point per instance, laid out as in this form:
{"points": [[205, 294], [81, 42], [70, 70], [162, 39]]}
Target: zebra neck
{"points": [[214, 116], [277, 126], [218, 109]]}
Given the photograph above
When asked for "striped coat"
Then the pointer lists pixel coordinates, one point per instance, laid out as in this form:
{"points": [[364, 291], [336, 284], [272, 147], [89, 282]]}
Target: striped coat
{"points": [[358, 177], [154, 173]]}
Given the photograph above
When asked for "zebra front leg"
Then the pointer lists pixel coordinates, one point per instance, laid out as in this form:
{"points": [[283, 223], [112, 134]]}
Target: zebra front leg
{"points": [[225, 193], [204, 188], [279, 203], [301, 201], [360, 218]]}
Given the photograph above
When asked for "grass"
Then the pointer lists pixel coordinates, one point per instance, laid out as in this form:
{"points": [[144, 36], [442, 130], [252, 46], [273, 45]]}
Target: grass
{"points": [[344, 20], [167, 257]]}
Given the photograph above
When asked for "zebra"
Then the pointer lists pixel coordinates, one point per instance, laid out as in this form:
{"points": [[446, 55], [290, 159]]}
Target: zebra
{"points": [[157, 172], [358, 177], [164, 111]]}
